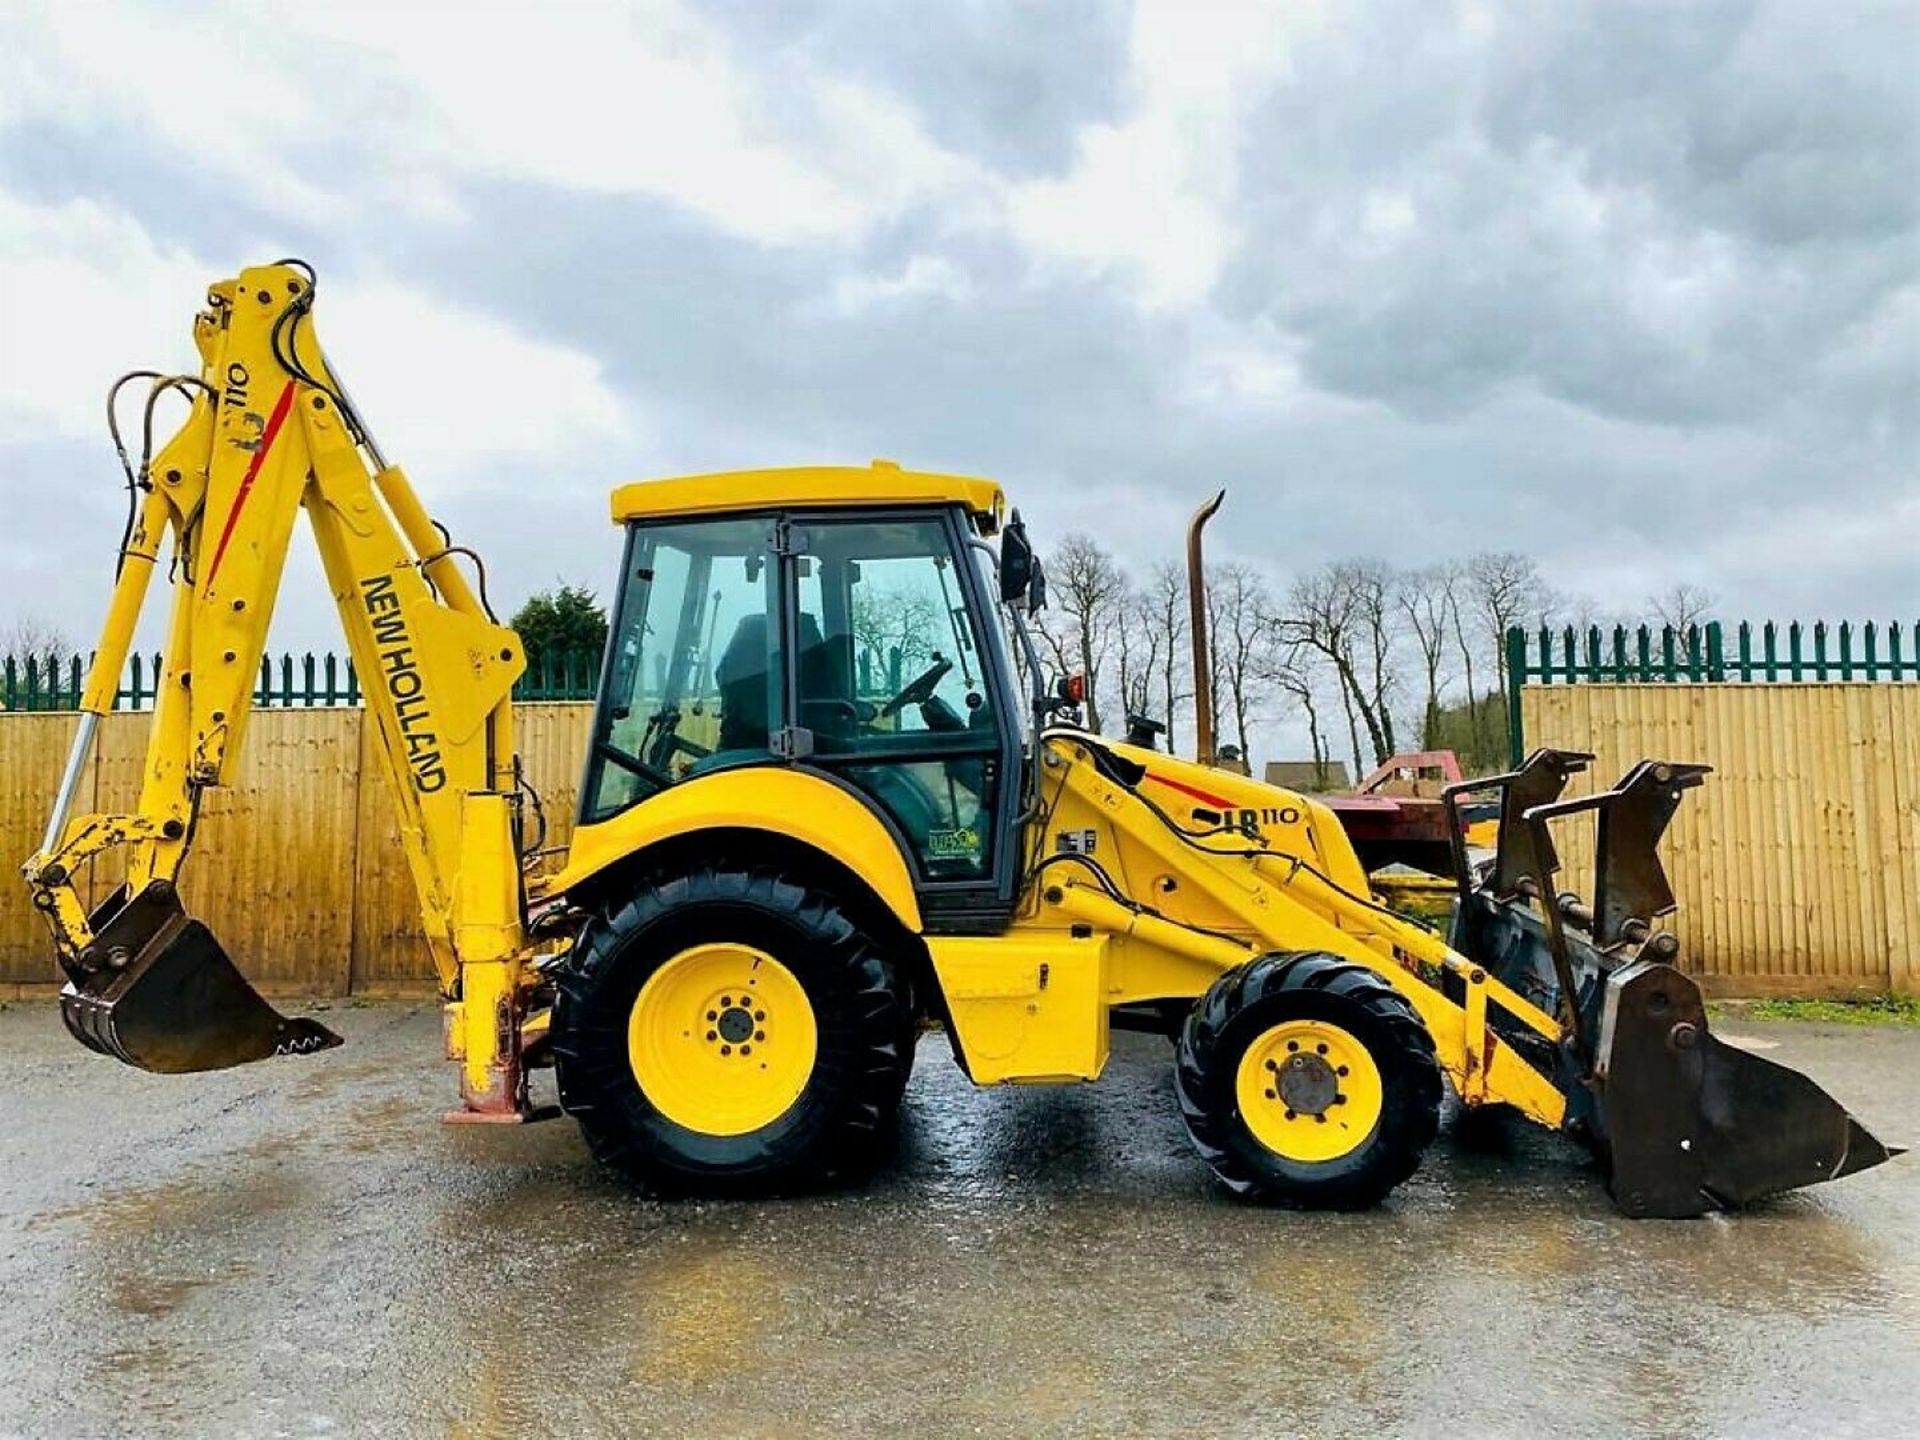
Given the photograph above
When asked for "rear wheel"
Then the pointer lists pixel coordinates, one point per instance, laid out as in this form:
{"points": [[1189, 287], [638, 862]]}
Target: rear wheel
{"points": [[731, 1032], [1309, 1081]]}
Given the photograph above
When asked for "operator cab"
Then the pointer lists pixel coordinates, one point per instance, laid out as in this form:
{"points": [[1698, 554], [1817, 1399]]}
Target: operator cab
{"points": [[857, 639]]}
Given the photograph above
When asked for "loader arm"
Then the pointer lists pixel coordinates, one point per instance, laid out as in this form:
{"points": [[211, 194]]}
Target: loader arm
{"points": [[272, 434]]}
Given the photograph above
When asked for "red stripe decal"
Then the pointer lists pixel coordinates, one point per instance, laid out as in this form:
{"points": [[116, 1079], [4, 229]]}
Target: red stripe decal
{"points": [[267, 437], [1213, 800]]}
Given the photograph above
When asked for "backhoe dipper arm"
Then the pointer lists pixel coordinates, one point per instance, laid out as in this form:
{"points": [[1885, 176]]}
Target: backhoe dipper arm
{"points": [[271, 432]]}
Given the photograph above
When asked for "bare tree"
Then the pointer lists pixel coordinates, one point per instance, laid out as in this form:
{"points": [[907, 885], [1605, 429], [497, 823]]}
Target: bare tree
{"points": [[1086, 589], [894, 632], [1238, 613], [1423, 596], [1292, 668], [1682, 605], [29, 634], [1373, 590], [1455, 579], [1503, 589], [1137, 644], [1164, 606], [1344, 612]]}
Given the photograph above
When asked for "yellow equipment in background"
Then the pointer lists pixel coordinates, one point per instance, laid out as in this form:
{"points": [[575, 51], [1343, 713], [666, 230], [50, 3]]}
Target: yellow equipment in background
{"points": [[824, 806]]}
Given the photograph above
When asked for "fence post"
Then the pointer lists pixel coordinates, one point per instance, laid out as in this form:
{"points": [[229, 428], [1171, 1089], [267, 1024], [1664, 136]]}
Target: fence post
{"points": [[1516, 677]]}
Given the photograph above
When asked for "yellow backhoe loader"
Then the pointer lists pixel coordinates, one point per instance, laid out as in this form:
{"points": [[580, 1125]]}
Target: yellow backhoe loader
{"points": [[830, 799]]}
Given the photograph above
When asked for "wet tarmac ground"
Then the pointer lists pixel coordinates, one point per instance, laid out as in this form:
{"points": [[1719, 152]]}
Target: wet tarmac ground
{"points": [[300, 1248]]}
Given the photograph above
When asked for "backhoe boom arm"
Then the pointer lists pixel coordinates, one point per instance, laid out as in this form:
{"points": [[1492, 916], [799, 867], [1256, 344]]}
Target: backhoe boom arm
{"points": [[271, 434]]}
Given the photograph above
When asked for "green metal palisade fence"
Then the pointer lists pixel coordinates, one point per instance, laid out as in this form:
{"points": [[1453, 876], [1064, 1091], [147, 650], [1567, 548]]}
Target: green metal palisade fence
{"points": [[1772, 654], [54, 682]]}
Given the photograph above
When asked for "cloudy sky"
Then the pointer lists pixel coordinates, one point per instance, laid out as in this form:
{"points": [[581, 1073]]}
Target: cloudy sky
{"points": [[1632, 288]]}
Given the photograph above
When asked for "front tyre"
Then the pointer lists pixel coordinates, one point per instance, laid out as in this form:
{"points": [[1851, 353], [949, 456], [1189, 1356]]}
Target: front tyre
{"points": [[1308, 1081], [731, 1032]]}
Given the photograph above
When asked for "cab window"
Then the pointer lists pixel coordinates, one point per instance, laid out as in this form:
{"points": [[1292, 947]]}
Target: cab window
{"points": [[692, 677]]}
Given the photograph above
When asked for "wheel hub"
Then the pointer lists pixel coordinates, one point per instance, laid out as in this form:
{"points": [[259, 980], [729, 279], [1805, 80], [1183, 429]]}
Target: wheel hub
{"points": [[1309, 1090], [1308, 1084], [703, 1044]]}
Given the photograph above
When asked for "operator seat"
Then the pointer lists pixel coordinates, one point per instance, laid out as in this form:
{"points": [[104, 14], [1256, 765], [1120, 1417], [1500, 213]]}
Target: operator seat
{"points": [[741, 678]]}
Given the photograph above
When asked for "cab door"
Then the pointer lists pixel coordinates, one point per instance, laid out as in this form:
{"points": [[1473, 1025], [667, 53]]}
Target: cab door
{"points": [[900, 692]]}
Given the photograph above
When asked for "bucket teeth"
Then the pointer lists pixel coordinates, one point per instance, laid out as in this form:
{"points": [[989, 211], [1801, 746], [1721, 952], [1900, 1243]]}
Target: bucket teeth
{"points": [[166, 997]]}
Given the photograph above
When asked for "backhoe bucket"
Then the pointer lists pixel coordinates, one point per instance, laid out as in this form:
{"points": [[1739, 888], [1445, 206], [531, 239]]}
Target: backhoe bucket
{"points": [[1691, 1124], [1685, 1123], [156, 990]]}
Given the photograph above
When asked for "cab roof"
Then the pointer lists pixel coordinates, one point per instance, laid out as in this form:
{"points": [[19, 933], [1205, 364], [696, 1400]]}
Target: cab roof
{"points": [[808, 487]]}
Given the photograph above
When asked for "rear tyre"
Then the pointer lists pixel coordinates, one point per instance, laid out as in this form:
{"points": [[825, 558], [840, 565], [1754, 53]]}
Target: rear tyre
{"points": [[1308, 1081], [731, 1032]]}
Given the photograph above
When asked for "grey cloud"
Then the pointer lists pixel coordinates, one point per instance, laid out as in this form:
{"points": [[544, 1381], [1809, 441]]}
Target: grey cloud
{"points": [[1004, 81], [1485, 378], [1762, 166]]}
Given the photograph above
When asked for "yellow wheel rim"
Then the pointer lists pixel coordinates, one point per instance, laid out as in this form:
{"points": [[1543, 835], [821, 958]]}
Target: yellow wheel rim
{"points": [[1309, 1091], [722, 1039]]}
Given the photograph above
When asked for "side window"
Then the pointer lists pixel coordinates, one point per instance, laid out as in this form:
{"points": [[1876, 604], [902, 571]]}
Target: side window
{"points": [[892, 683], [693, 663]]}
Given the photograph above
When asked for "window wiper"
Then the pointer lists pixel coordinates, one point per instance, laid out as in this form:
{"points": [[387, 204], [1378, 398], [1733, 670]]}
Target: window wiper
{"points": [[961, 643]]}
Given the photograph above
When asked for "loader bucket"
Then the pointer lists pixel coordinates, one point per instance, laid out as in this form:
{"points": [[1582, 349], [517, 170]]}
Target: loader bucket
{"points": [[156, 990], [1691, 1124], [1685, 1123]]}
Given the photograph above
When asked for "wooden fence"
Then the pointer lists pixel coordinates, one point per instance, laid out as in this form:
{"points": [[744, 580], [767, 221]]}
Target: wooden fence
{"points": [[1797, 863], [297, 866]]}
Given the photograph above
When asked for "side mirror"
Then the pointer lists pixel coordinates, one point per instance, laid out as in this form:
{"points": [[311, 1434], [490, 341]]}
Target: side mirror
{"points": [[1017, 564]]}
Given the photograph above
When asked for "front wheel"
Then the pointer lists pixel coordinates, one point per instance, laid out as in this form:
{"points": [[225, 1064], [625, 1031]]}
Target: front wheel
{"points": [[1309, 1081], [731, 1032]]}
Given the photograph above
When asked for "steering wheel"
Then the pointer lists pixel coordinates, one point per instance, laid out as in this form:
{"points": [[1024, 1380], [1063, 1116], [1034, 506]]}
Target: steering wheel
{"points": [[920, 689]]}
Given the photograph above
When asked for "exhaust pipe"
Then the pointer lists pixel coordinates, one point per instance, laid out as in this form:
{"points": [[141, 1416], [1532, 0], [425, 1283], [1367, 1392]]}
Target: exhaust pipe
{"points": [[1197, 627]]}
